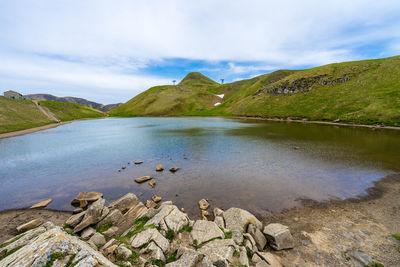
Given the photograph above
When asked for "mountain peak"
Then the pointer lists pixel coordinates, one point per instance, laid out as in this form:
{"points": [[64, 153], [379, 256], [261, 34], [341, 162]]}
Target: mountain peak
{"points": [[196, 77]]}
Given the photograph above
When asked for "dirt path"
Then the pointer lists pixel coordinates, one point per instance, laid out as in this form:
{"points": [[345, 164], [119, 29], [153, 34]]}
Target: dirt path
{"points": [[45, 111], [32, 130], [340, 233]]}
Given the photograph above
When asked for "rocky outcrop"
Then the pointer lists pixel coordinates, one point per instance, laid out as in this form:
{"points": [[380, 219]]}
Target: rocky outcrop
{"points": [[127, 233]]}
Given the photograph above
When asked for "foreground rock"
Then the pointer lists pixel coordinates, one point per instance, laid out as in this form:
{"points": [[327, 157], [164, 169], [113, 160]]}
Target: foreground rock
{"points": [[279, 236], [85, 198], [159, 168], [43, 247], [42, 204], [174, 169], [29, 225]]}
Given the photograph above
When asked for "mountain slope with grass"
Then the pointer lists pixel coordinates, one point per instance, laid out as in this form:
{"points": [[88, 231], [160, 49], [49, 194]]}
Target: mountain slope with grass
{"points": [[18, 114], [191, 94], [364, 92]]}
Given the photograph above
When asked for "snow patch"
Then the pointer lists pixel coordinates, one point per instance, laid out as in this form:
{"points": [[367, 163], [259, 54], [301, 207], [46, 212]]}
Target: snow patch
{"points": [[216, 104], [221, 95]]}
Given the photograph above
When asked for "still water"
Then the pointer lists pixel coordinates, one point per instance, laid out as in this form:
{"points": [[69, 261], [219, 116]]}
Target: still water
{"points": [[257, 165]]}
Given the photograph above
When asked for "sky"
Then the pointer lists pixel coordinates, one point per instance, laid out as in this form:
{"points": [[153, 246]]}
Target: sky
{"points": [[108, 51]]}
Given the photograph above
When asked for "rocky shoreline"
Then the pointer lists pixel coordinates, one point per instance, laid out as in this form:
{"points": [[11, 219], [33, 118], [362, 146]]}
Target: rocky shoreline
{"points": [[354, 232]]}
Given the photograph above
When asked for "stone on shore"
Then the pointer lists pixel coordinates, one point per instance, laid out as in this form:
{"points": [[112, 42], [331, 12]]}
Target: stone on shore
{"points": [[203, 204], [176, 220], [159, 168], [239, 219], [123, 252], [98, 240], [97, 210], [271, 259], [124, 203], [204, 231], [84, 224], [87, 197], [75, 219], [29, 225], [174, 169], [219, 221], [156, 198], [113, 217], [258, 236], [150, 204], [77, 210], [219, 250], [143, 179], [148, 235], [278, 236], [204, 215], [187, 258], [38, 250], [88, 233], [42, 204]]}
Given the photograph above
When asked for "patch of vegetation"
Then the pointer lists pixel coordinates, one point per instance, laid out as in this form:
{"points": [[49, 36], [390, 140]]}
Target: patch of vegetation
{"points": [[249, 254], [10, 252], [236, 254], [396, 237], [228, 234], [377, 264], [139, 225], [142, 220], [12, 241], [171, 258], [53, 257], [186, 228], [158, 263], [71, 111], [103, 228], [170, 235], [66, 225], [70, 261]]}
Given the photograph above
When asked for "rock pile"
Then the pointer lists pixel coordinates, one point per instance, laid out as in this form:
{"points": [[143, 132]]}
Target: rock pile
{"points": [[127, 233]]}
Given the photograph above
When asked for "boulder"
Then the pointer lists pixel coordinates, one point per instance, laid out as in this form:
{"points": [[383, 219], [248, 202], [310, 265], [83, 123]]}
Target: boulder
{"points": [[130, 216], [138, 162], [84, 224], [29, 225], [125, 203], [250, 242], [258, 236], [88, 233], [39, 249], [98, 240], [123, 252], [113, 217], [110, 232], [219, 221], [42, 204], [204, 231], [88, 197], [271, 259], [148, 235], [239, 219], [75, 219], [217, 212], [176, 220], [156, 252], [278, 236], [187, 258], [219, 250], [203, 204], [160, 215], [159, 168], [97, 210], [143, 179], [156, 198], [174, 169], [152, 183], [150, 204], [204, 215], [243, 259]]}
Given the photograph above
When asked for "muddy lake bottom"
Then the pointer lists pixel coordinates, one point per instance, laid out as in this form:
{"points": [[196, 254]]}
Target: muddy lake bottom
{"points": [[260, 166]]}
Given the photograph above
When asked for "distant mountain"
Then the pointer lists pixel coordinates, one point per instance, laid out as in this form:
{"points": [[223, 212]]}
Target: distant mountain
{"points": [[365, 92], [76, 100]]}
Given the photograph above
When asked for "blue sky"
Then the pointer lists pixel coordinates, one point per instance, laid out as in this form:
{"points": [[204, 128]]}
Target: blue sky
{"points": [[109, 51]]}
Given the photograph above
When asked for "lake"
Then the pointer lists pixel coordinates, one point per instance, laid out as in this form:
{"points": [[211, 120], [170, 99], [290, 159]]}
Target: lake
{"points": [[257, 165]]}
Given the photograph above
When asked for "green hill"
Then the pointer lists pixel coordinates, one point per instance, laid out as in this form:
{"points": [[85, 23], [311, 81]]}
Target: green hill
{"points": [[24, 114], [70, 111], [365, 92], [189, 95]]}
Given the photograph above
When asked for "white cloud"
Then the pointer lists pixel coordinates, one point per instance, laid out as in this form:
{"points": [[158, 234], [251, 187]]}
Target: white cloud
{"points": [[111, 42]]}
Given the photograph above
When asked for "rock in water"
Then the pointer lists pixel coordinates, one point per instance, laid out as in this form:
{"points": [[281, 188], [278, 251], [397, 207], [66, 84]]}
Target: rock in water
{"points": [[279, 236], [159, 168], [42, 204], [29, 225], [125, 203], [152, 183], [203, 204], [156, 198], [86, 196], [138, 162], [143, 179], [123, 167], [174, 169]]}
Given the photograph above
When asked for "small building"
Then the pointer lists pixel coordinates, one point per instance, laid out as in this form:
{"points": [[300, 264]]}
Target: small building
{"points": [[13, 95]]}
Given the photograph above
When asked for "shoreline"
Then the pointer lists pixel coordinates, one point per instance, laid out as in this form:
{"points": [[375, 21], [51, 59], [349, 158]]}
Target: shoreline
{"points": [[53, 125]]}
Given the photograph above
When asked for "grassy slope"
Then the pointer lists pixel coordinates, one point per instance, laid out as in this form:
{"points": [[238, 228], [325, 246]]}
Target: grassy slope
{"points": [[23, 114], [190, 94], [71, 111], [371, 95], [20, 114]]}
